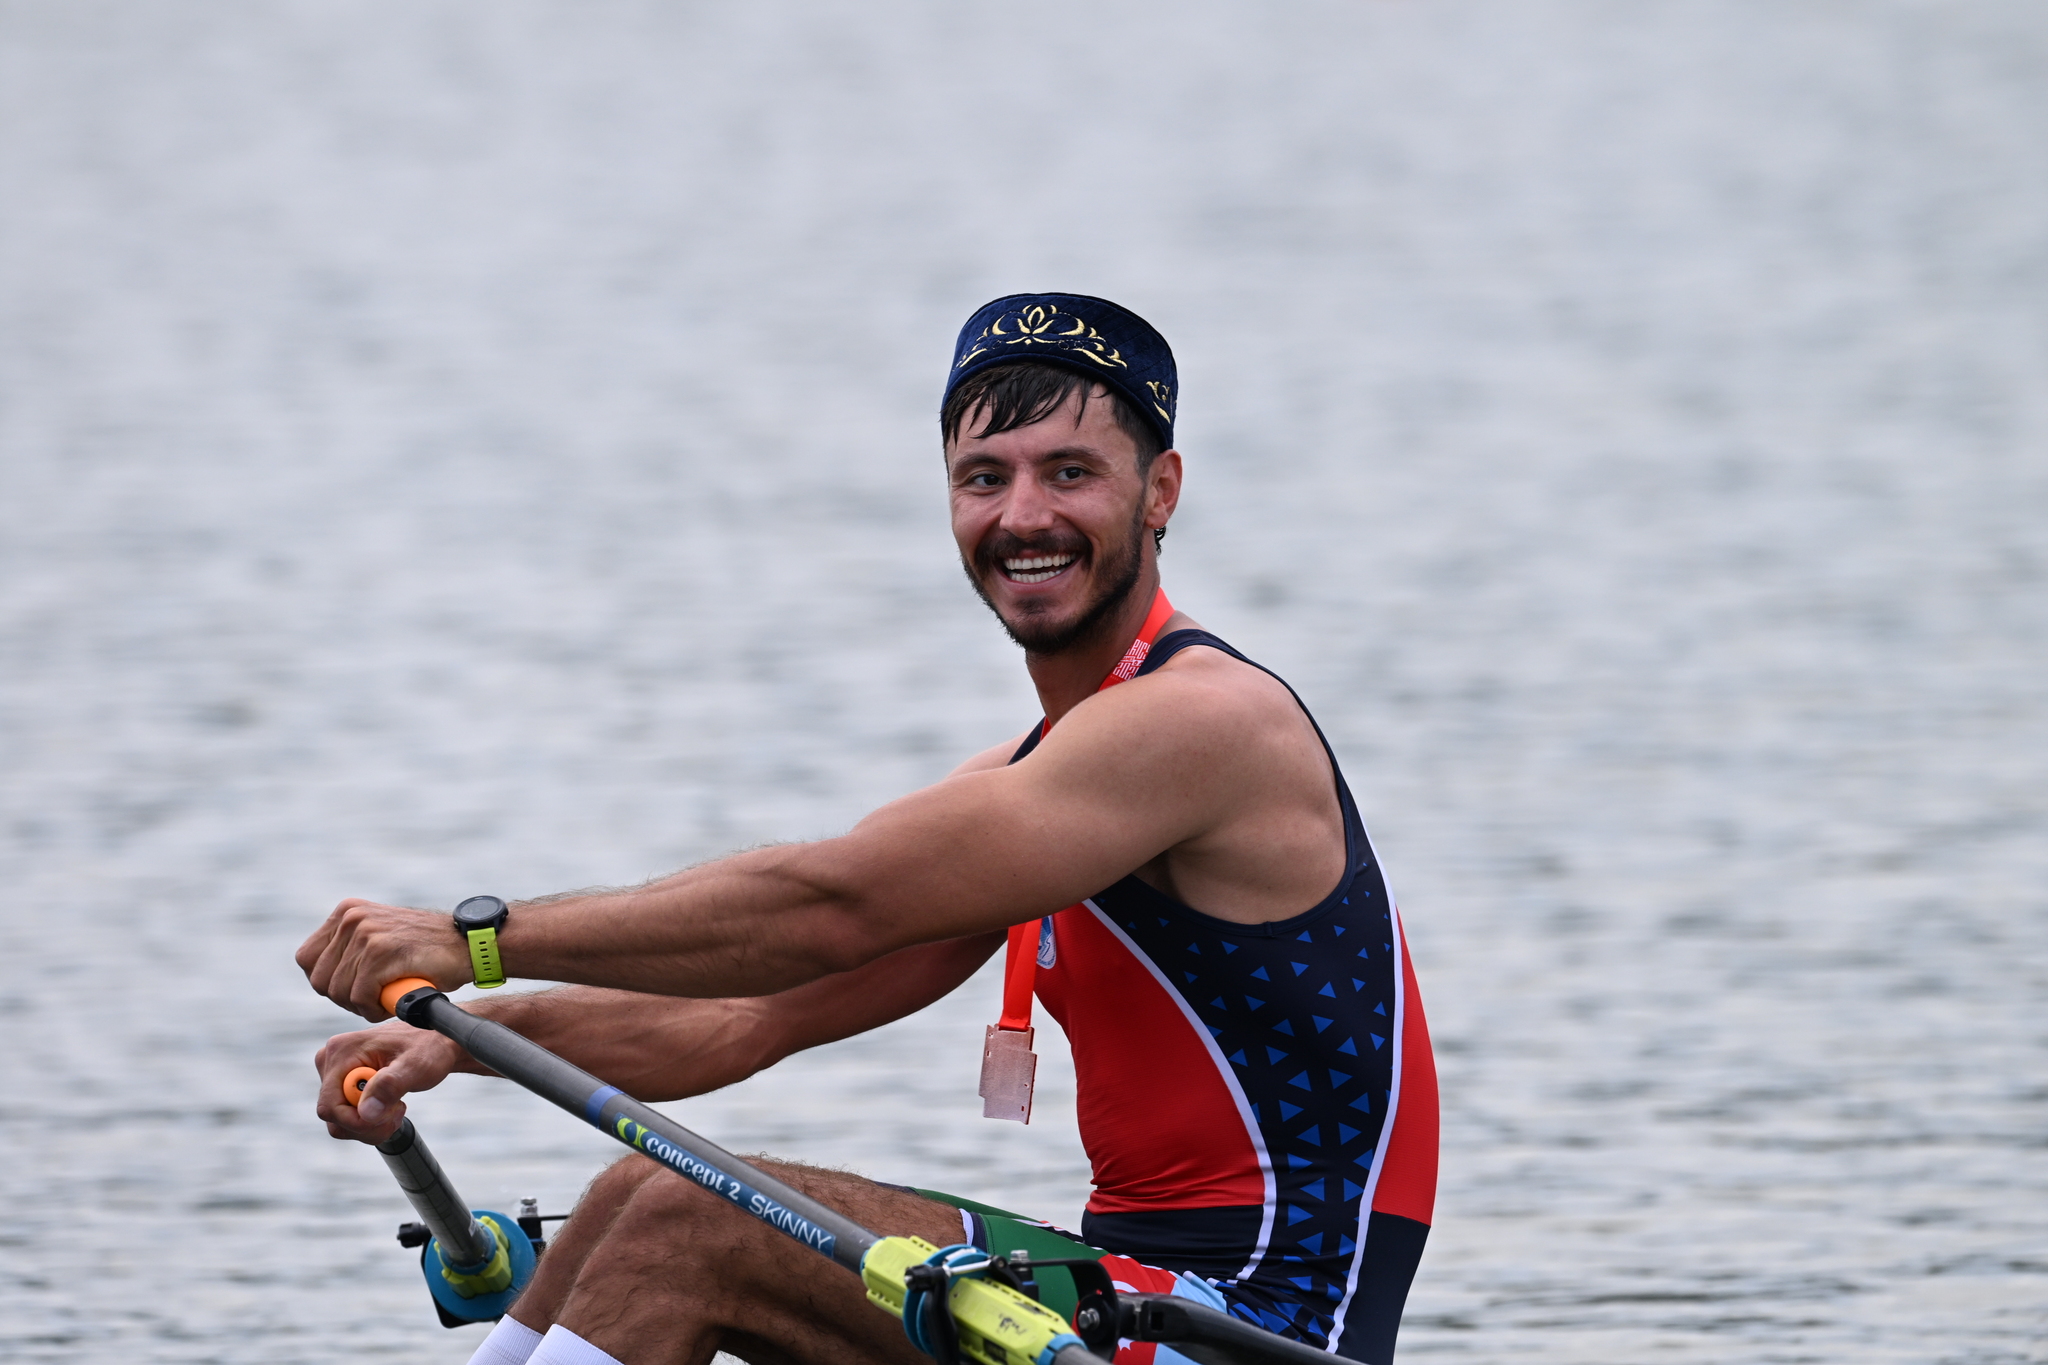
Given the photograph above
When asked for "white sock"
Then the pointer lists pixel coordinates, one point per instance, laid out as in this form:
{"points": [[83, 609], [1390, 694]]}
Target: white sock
{"points": [[563, 1347], [509, 1343]]}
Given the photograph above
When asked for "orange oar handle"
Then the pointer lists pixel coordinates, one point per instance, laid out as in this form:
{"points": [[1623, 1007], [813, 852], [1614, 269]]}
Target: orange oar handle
{"points": [[394, 991], [353, 1084]]}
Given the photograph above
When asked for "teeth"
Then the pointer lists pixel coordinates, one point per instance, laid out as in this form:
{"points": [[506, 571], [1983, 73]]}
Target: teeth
{"points": [[1036, 568]]}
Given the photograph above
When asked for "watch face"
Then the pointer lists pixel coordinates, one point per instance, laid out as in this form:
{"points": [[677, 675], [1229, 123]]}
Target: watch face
{"points": [[479, 911]]}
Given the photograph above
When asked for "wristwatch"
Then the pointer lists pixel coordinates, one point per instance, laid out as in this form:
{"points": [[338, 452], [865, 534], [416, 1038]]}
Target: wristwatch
{"points": [[479, 919]]}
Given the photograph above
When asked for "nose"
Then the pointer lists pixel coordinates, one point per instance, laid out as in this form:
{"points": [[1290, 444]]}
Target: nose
{"points": [[1027, 508]]}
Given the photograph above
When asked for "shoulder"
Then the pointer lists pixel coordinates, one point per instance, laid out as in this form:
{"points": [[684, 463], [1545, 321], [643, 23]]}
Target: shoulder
{"points": [[1201, 704], [1222, 688], [990, 759], [1201, 662]]}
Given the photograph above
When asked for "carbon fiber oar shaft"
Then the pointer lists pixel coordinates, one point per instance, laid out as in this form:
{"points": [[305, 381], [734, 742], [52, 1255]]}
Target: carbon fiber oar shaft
{"points": [[464, 1241]]}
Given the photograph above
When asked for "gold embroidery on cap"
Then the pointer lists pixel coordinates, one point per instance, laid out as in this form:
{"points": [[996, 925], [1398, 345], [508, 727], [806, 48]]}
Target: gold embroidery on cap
{"points": [[1162, 397], [1042, 324]]}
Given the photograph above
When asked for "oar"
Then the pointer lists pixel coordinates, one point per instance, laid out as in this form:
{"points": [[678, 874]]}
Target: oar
{"points": [[955, 1309], [465, 1243], [618, 1115], [475, 1262]]}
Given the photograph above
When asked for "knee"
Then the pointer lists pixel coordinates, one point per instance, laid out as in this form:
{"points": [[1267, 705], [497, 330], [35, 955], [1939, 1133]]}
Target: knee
{"points": [[640, 1228], [616, 1185], [681, 1217]]}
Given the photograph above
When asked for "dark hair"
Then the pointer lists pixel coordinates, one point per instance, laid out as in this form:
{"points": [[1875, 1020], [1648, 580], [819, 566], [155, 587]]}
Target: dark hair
{"points": [[1026, 391]]}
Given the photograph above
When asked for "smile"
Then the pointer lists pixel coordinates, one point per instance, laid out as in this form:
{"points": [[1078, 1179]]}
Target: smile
{"points": [[1035, 569]]}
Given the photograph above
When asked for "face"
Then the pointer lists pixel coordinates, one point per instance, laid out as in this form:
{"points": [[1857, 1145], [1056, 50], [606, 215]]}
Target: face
{"points": [[1052, 520]]}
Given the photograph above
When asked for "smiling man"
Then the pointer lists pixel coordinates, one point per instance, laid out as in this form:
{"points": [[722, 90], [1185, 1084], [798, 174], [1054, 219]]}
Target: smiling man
{"points": [[1177, 869]]}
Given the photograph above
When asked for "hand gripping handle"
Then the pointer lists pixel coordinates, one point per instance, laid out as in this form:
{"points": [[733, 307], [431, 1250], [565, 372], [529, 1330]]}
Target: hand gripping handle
{"points": [[358, 1080]]}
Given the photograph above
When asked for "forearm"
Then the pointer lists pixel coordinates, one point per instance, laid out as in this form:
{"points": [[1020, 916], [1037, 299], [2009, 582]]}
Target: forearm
{"points": [[666, 1048], [652, 1047], [753, 924]]}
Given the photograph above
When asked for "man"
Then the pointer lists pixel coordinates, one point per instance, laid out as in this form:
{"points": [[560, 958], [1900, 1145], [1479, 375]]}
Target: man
{"points": [[1255, 1085]]}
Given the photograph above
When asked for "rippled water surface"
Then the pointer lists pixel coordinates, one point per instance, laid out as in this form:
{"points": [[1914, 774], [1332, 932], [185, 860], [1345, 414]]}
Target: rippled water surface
{"points": [[457, 447]]}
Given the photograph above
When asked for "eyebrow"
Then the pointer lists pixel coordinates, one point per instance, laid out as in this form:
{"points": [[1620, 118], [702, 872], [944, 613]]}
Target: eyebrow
{"points": [[1063, 453]]}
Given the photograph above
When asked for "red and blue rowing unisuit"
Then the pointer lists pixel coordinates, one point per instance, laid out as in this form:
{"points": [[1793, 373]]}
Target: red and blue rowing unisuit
{"points": [[1258, 1101]]}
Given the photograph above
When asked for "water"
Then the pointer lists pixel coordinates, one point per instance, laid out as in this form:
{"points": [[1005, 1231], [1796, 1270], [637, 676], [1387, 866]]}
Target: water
{"points": [[448, 448]]}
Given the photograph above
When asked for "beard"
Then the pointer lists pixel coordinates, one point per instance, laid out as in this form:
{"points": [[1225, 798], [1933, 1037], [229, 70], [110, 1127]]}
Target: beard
{"points": [[1122, 565]]}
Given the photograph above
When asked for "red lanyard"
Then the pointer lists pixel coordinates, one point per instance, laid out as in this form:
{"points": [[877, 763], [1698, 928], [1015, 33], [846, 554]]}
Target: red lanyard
{"points": [[1020, 966]]}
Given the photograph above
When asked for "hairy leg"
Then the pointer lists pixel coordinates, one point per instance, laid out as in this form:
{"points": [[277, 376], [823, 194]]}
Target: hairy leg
{"points": [[657, 1271]]}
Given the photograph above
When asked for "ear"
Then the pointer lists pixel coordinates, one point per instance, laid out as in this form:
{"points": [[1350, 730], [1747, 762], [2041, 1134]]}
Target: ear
{"points": [[1162, 488]]}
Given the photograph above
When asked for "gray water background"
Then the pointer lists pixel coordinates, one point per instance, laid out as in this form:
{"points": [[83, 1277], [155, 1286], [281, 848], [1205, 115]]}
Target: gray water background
{"points": [[456, 447]]}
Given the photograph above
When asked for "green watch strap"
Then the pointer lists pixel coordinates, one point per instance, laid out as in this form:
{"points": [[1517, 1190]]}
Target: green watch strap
{"points": [[484, 962]]}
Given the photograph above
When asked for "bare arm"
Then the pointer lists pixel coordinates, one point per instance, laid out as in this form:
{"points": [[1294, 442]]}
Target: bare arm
{"points": [[1160, 762], [653, 1047]]}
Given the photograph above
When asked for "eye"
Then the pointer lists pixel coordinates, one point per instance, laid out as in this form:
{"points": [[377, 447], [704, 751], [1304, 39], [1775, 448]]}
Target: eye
{"points": [[1070, 473], [984, 479]]}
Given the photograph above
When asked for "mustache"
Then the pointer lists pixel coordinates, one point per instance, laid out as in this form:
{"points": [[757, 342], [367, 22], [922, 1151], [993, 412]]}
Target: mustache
{"points": [[1002, 545]]}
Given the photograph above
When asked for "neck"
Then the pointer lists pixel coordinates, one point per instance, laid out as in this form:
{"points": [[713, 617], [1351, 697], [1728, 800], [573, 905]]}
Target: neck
{"points": [[1067, 679]]}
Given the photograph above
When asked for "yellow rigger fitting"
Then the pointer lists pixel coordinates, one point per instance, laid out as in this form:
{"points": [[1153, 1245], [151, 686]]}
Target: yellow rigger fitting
{"points": [[997, 1325], [496, 1274]]}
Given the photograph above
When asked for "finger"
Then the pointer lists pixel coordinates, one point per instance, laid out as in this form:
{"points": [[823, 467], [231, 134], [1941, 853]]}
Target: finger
{"points": [[346, 926], [368, 1118], [353, 983], [375, 1093], [320, 945], [344, 1052], [366, 991], [309, 953], [333, 942], [375, 1117], [390, 1085], [338, 975], [346, 1122]]}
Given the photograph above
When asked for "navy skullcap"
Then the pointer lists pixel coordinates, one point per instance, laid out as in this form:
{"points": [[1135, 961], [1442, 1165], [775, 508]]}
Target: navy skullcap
{"points": [[1091, 336]]}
